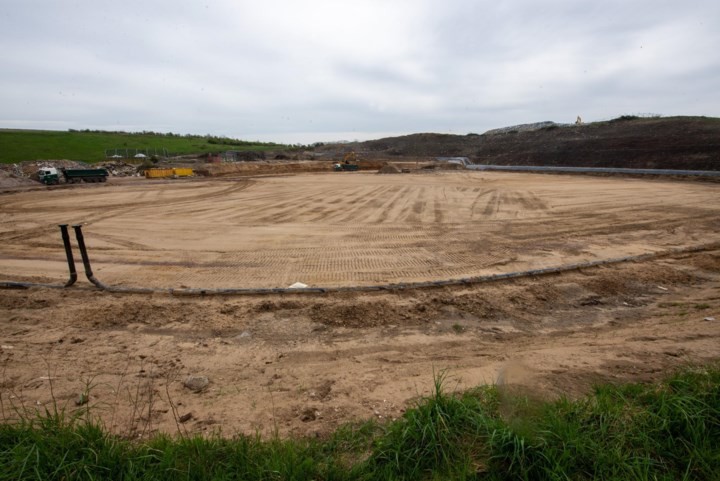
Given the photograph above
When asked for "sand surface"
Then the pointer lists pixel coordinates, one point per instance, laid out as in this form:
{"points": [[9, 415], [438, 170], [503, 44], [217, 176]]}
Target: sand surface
{"points": [[302, 364], [341, 229]]}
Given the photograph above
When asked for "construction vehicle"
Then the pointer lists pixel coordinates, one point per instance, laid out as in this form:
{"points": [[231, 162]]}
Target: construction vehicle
{"points": [[51, 175], [349, 163], [345, 167], [73, 176]]}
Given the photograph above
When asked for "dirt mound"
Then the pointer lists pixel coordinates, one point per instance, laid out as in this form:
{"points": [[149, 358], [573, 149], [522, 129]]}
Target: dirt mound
{"points": [[389, 169], [356, 314], [262, 168], [11, 179], [119, 169], [627, 142]]}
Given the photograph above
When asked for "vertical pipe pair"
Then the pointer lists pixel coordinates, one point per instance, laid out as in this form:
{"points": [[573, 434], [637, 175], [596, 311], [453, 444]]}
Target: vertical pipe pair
{"points": [[83, 254]]}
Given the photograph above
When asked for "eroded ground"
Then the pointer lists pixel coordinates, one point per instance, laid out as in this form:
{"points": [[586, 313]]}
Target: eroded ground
{"points": [[303, 364]]}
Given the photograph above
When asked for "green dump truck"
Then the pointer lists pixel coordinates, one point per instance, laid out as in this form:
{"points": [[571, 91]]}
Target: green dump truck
{"points": [[345, 167], [51, 175], [84, 175]]}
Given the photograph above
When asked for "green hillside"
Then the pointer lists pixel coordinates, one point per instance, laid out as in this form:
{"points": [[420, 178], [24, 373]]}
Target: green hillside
{"points": [[91, 146]]}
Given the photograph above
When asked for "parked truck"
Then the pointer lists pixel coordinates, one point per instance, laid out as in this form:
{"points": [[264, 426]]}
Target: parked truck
{"points": [[345, 167], [51, 175], [84, 175], [349, 163]]}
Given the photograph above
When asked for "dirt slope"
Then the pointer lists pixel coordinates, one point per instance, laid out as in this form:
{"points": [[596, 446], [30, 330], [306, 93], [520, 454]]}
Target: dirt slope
{"points": [[656, 143]]}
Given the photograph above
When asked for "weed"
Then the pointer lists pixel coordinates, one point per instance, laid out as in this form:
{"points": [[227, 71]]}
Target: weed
{"points": [[668, 430]]}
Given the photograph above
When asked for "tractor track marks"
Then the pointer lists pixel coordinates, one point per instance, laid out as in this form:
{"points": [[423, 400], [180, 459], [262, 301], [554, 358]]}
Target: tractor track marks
{"points": [[352, 230], [64, 202]]}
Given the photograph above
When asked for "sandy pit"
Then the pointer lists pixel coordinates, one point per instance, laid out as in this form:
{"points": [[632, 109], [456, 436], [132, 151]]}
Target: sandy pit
{"points": [[304, 363]]}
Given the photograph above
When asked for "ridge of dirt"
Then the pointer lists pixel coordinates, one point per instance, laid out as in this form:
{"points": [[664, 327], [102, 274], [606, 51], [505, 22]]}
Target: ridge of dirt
{"points": [[691, 143]]}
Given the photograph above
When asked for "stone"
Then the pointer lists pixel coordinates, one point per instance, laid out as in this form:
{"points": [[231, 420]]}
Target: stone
{"points": [[196, 383]]}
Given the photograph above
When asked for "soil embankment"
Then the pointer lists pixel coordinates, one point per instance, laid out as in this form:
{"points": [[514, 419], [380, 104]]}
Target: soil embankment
{"points": [[682, 143]]}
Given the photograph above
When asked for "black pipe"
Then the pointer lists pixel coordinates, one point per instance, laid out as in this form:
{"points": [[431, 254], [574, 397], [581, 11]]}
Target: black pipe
{"points": [[85, 258], [69, 254], [372, 288]]}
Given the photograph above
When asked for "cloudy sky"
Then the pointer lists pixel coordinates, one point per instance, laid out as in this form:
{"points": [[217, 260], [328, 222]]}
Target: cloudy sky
{"points": [[315, 70]]}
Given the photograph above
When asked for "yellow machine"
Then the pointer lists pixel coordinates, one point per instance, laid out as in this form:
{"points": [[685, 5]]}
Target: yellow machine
{"points": [[349, 163]]}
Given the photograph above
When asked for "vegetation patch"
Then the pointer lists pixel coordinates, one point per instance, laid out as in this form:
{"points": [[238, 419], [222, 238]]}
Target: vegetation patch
{"points": [[95, 145], [669, 430]]}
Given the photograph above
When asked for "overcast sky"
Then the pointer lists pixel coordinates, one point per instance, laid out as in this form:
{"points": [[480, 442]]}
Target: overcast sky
{"points": [[315, 70]]}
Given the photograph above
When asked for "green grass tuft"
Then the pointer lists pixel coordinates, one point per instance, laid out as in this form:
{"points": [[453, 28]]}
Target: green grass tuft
{"points": [[668, 430]]}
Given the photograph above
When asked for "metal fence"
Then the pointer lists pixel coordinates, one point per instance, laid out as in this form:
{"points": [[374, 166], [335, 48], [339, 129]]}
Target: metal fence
{"points": [[598, 170], [125, 153]]}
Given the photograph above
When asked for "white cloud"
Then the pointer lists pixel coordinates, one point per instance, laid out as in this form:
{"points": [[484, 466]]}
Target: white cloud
{"points": [[322, 69]]}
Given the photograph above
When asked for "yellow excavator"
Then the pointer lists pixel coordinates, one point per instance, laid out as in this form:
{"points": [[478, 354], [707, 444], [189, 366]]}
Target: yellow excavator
{"points": [[349, 163]]}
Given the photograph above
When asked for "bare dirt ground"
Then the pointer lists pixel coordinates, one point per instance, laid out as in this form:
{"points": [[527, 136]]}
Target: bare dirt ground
{"points": [[302, 364], [340, 229]]}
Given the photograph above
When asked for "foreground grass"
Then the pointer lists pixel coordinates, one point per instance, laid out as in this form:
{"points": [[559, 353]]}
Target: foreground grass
{"points": [[669, 430], [19, 145]]}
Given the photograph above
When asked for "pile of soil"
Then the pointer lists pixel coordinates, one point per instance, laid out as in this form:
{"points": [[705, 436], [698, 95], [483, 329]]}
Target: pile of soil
{"points": [[691, 143], [11, 179], [261, 167], [119, 169], [389, 169], [227, 169]]}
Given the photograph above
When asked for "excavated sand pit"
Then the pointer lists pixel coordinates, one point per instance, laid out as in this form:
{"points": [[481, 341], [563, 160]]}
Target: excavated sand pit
{"points": [[305, 363], [346, 229]]}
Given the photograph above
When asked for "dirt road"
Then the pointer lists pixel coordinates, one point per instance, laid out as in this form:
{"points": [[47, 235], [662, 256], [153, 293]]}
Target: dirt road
{"points": [[303, 364]]}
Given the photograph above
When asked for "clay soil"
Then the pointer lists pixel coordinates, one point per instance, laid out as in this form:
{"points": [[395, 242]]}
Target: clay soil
{"points": [[304, 363]]}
